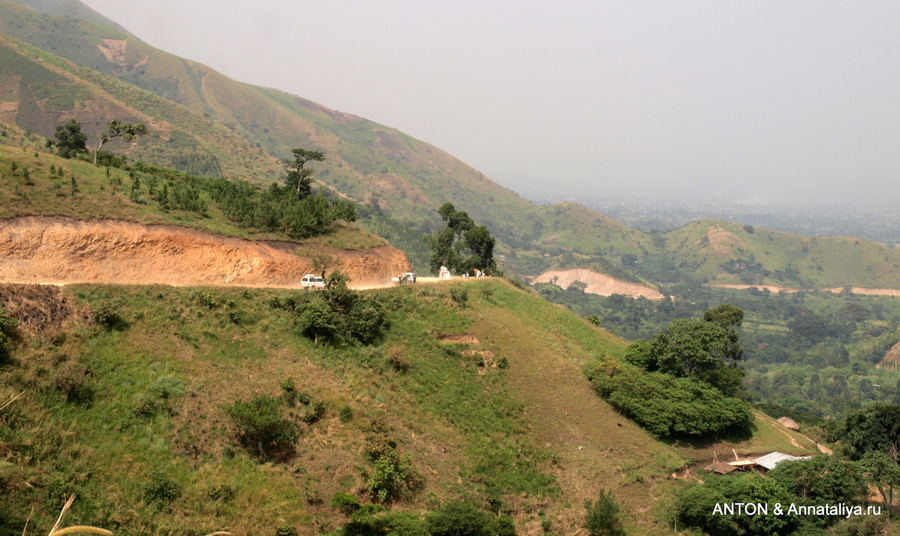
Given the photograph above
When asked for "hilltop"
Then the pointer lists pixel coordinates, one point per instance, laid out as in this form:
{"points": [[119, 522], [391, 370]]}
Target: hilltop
{"points": [[725, 252]]}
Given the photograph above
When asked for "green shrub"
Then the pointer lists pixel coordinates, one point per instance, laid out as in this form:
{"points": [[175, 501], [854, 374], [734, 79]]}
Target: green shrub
{"points": [[73, 379], [602, 517], [289, 391], [160, 489], [314, 413], [345, 414], [390, 475], [459, 519], [260, 424], [366, 320], [107, 315], [345, 502], [460, 296], [208, 300], [667, 406]]}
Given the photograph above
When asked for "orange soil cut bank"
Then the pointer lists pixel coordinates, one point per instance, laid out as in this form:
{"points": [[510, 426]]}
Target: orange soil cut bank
{"points": [[598, 283], [60, 250]]}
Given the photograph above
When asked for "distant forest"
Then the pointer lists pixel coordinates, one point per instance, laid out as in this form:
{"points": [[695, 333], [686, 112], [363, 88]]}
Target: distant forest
{"points": [[813, 352]]}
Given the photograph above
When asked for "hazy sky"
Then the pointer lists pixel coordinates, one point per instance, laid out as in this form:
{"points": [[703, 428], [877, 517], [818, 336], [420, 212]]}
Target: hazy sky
{"points": [[755, 100]]}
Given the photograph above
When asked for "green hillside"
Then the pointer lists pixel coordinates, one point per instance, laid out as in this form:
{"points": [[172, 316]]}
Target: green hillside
{"points": [[725, 252], [41, 91], [572, 226], [114, 411], [410, 178]]}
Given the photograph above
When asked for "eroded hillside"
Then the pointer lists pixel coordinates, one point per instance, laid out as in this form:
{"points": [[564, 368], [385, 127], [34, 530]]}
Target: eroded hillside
{"points": [[62, 250]]}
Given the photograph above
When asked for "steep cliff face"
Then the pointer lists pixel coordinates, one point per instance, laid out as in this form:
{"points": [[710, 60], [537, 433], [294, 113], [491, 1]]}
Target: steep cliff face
{"points": [[61, 250]]}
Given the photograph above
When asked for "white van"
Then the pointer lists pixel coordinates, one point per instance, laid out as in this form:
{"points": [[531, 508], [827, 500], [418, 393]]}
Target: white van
{"points": [[311, 281]]}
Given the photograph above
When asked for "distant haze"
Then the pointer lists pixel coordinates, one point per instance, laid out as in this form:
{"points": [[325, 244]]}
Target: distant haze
{"points": [[768, 101]]}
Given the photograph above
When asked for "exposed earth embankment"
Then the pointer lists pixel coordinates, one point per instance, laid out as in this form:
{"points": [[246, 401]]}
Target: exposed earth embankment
{"points": [[598, 283], [54, 250], [835, 290]]}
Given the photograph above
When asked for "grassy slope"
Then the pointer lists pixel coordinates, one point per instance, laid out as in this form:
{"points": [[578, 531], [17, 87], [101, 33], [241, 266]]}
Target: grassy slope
{"points": [[823, 262], [50, 91], [98, 196], [473, 431], [572, 226], [533, 436]]}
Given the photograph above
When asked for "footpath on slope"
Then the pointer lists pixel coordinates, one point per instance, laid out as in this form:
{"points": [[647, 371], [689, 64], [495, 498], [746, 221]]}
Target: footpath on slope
{"points": [[56, 250]]}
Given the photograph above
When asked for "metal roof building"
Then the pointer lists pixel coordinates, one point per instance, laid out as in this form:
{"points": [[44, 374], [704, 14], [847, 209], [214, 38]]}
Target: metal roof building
{"points": [[769, 461]]}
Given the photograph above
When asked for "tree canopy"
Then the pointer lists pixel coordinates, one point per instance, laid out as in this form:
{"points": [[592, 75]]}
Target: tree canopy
{"points": [[462, 246], [70, 140], [708, 349], [119, 129], [299, 178]]}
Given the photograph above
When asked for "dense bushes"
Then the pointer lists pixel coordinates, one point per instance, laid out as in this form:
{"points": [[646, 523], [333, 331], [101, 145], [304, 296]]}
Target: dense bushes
{"points": [[683, 381], [465, 519], [696, 506], [669, 406], [261, 424], [273, 209], [815, 482], [336, 314]]}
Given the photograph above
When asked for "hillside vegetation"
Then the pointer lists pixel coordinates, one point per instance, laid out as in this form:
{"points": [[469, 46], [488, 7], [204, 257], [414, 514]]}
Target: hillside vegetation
{"points": [[128, 390], [35, 181]]}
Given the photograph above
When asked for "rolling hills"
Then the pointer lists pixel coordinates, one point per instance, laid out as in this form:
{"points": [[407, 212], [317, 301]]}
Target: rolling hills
{"points": [[60, 60], [256, 126], [474, 388], [725, 252]]}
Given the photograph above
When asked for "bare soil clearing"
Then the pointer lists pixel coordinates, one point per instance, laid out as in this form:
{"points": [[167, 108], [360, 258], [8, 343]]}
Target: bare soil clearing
{"points": [[770, 288], [58, 250], [836, 290], [598, 283]]}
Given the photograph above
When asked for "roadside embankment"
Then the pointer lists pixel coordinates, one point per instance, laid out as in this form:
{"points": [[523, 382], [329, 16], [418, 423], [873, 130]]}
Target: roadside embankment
{"points": [[55, 250]]}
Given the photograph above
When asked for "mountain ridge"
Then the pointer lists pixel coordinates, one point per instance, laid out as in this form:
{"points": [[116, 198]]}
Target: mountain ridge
{"points": [[207, 124]]}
